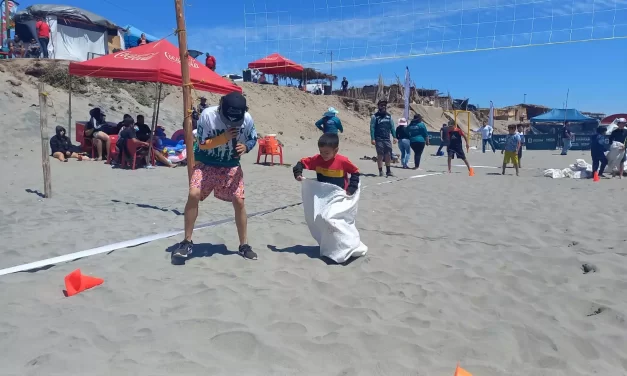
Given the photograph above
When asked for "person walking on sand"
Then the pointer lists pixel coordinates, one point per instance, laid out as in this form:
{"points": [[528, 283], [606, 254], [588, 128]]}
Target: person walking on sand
{"points": [[510, 150], [443, 138], [486, 137], [381, 126], [455, 147], [521, 133], [330, 123], [418, 138], [567, 138], [403, 142], [225, 133]]}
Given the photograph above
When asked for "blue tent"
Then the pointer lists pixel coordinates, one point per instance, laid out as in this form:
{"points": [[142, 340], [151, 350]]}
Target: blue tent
{"points": [[132, 34], [562, 115]]}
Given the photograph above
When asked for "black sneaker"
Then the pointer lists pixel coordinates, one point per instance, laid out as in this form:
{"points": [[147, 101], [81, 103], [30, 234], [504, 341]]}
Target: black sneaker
{"points": [[389, 174], [184, 250], [247, 252], [380, 173]]}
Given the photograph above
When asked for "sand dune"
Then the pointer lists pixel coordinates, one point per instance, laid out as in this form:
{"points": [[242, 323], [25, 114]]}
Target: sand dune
{"points": [[484, 270]]}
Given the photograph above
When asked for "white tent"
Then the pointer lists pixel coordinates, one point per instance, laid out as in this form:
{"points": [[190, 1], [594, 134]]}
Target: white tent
{"points": [[75, 34]]}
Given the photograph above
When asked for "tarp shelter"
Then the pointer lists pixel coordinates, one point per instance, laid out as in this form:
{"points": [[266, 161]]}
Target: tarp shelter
{"points": [[153, 62], [275, 64], [132, 35], [557, 115], [75, 34]]}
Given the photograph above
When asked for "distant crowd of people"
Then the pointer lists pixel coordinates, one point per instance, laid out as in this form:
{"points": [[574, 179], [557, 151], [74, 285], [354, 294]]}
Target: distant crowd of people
{"points": [[17, 48]]}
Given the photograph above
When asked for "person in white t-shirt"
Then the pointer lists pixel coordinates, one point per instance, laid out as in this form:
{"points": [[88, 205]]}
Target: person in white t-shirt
{"points": [[486, 137]]}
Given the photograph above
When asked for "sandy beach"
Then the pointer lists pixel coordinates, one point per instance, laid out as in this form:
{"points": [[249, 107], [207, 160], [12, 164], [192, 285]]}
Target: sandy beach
{"points": [[483, 270]]}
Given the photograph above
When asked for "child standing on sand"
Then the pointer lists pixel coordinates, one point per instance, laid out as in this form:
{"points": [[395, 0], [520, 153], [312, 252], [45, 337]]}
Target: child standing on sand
{"points": [[330, 166], [455, 147], [512, 145], [521, 133]]}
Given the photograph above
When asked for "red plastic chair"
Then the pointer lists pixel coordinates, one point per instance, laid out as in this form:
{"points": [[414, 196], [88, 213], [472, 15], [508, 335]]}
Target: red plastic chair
{"points": [[269, 146], [178, 135], [87, 144], [133, 148], [113, 150]]}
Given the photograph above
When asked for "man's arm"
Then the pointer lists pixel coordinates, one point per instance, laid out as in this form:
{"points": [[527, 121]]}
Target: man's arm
{"points": [[211, 143], [393, 127], [339, 125], [372, 121], [319, 124]]}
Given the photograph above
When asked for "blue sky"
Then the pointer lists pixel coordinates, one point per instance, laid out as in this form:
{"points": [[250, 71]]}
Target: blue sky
{"points": [[372, 37]]}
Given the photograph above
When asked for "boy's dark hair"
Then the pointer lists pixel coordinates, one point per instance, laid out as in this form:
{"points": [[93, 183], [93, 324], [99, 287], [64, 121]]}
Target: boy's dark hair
{"points": [[511, 126], [601, 130], [329, 140]]}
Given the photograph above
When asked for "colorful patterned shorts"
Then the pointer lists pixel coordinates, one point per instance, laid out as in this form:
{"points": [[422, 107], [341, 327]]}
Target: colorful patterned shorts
{"points": [[226, 183]]}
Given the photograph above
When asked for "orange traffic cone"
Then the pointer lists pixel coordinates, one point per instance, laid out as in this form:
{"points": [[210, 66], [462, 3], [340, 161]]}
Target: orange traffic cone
{"points": [[459, 371], [595, 177], [471, 172], [76, 282]]}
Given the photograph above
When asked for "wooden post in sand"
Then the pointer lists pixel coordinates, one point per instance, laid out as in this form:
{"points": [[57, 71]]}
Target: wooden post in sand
{"points": [[43, 125], [186, 86], [69, 111]]}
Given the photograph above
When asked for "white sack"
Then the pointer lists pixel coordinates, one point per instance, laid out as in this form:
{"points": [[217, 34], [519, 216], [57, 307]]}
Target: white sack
{"points": [[553, 173], [615, 155], [330, 214]]}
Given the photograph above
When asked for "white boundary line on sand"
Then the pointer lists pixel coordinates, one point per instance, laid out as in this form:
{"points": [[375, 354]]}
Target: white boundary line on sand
{"points": [[150, 238]]}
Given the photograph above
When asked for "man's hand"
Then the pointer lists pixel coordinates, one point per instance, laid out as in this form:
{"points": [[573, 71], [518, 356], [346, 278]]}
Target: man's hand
{"points": [[394, 141], [231, 133], [373, 142], [240, 149], [299, 177]]}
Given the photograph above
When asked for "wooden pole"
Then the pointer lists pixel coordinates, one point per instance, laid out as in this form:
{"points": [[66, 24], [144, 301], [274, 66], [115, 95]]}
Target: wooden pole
{"points": [[69, 112], [187, 90], [155, 118], [43, 125]]}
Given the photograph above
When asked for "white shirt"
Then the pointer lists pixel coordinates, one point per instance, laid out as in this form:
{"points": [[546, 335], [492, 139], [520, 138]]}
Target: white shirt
{"points": [[486, 132]]}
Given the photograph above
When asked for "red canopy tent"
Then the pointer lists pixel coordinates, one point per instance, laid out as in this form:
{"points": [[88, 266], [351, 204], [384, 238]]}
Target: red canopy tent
{"points": [[275, 64], [153, 62], [609, 119]]}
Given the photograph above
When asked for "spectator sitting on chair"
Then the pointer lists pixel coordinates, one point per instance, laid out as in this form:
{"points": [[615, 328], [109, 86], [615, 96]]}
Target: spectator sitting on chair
{"points": [[19, 49], [142, 40], [275, 80], [94, 130], [34, 51], [143, 130], [130, 133], [61, 147], [120, 125]]}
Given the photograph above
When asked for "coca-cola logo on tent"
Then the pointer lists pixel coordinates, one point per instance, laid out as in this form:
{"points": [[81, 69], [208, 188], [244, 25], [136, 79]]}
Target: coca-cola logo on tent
{"points": [[176, 59], [130, 56]]}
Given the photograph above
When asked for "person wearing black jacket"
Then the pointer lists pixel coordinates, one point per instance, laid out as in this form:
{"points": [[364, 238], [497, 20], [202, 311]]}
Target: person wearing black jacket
{"points": [[61, 146]]}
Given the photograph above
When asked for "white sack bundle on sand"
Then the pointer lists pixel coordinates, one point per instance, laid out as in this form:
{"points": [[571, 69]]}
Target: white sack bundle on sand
{"points": [[583, 170], [578, 170], [330, 214]]}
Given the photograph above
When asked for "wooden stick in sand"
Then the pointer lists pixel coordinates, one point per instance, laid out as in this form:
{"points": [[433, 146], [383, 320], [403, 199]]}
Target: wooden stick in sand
{"points": [[186, 86], [43, 125]]}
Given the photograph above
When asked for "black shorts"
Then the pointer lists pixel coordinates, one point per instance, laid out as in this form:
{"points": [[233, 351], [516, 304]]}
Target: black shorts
{"points": [[456, 151], [383, 147]]}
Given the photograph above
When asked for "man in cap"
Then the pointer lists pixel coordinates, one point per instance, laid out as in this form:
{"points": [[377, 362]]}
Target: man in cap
{"points": [[381, 127], [224, 134], [203, 105]]}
